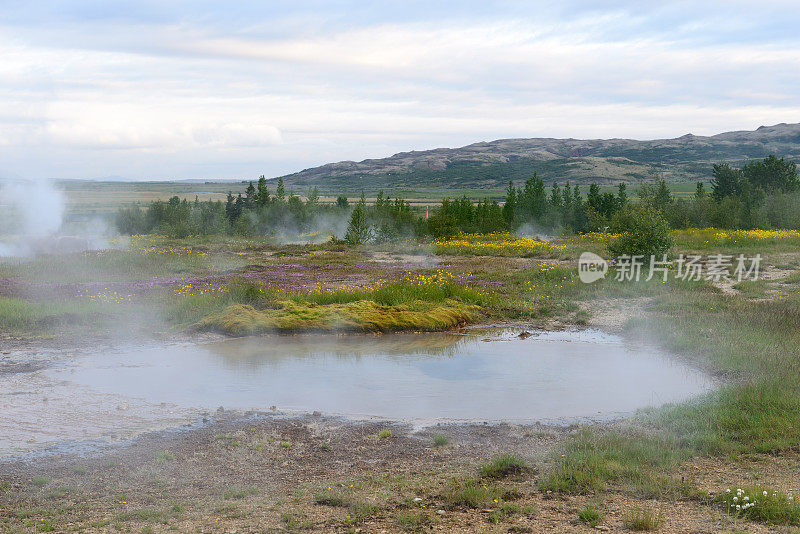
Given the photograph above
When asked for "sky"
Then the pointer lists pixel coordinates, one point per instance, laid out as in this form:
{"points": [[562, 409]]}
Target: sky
{"points": [[231, 90]]}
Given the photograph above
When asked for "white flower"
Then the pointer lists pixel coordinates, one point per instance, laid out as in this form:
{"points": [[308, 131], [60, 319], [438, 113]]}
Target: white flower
{"points": [[765, 493], [746, 498], [735, 499], [738, 507], [728, 490]]}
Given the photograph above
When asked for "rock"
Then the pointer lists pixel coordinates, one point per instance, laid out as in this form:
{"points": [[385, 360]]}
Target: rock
{"points": [[417, 499], [440, 512], [602, 527], [316, 413], [524, 334]]}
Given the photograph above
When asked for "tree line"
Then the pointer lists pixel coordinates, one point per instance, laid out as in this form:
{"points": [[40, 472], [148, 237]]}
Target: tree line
{"points": [[761, 194]]}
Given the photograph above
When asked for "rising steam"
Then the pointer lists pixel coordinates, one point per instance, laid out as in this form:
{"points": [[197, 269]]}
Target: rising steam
{"points": [[32, 215]]}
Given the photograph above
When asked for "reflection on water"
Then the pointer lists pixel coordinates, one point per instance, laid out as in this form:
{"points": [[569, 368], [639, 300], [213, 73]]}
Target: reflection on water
{"points": [[421, 377]]}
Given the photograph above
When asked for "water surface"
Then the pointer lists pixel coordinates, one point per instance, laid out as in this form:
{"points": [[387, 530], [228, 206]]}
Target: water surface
{"points": [[404, 376], [490, 376]]}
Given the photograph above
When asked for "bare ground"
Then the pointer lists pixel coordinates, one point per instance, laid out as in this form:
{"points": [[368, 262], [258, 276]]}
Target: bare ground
{"points": [[264, 473]]}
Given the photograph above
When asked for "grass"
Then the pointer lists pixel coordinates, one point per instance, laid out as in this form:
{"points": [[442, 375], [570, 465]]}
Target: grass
{"points": [[590, 515], [591, 461], [330, 497], [164, 456], [360, 316], [239, 493], [23, 317], [385, 433], [296, 522], [411, 521], [761, 504], [40, 481], [435, 301], [640, 518], [440, 440], [359, 512], [471, 493], [506, 510], [755, 344], [503, 466]]}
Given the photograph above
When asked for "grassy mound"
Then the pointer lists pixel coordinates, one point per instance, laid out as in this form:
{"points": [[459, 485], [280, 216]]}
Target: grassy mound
{"points": [[358, 316]]}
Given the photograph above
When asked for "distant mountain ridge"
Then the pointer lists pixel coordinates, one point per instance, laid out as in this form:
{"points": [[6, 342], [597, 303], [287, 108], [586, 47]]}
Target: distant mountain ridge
{"points": [[492, 164]]}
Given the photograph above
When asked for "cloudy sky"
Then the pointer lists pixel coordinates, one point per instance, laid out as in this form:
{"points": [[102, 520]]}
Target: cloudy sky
{"points": [[200, 89]]}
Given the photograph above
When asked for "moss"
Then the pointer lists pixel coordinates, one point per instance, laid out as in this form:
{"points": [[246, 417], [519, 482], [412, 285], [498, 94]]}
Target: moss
{"points": [[359, 316]]}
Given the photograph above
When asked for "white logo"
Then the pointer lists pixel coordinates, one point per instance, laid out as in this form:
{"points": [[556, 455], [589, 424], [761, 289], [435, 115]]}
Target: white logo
{"points": [[591, 267]]}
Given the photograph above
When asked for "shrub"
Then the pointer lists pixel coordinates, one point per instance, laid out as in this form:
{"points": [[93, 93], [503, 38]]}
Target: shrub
{"points": [[644, 232], [440, 440]]}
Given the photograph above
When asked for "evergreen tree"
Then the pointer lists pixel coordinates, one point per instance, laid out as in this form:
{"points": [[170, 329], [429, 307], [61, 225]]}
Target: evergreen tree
{"points": [[250, 196], [622, 195], [593, 199], [238, 207], [229, 209], [280, 192], [700, 191], [262, 192], [555, 197], [313, 197], [662, 197], [510, 205], [726, 181], [358, 230]]}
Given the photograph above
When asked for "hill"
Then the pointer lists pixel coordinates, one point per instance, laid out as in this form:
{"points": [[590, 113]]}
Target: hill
{"points": [[491, 164]]}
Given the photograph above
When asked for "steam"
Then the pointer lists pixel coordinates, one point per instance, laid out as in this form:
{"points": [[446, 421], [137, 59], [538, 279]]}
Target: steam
{"points": [[32, 221], [536, 231], [321, 229]]}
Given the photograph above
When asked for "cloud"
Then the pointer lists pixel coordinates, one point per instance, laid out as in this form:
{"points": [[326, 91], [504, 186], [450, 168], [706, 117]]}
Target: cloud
{"points": [[159, 91]]}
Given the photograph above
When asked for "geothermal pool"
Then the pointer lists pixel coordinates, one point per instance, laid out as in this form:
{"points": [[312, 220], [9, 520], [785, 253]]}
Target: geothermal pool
{"points": [[422, 378]]}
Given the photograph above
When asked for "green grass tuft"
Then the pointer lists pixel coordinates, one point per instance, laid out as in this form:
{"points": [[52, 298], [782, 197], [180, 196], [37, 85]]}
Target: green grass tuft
{"points": [[590, 461], [640, 519], [590, 515], [164, 456], [440, 440], [470, 493], [40, 481], [503, 466]]}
